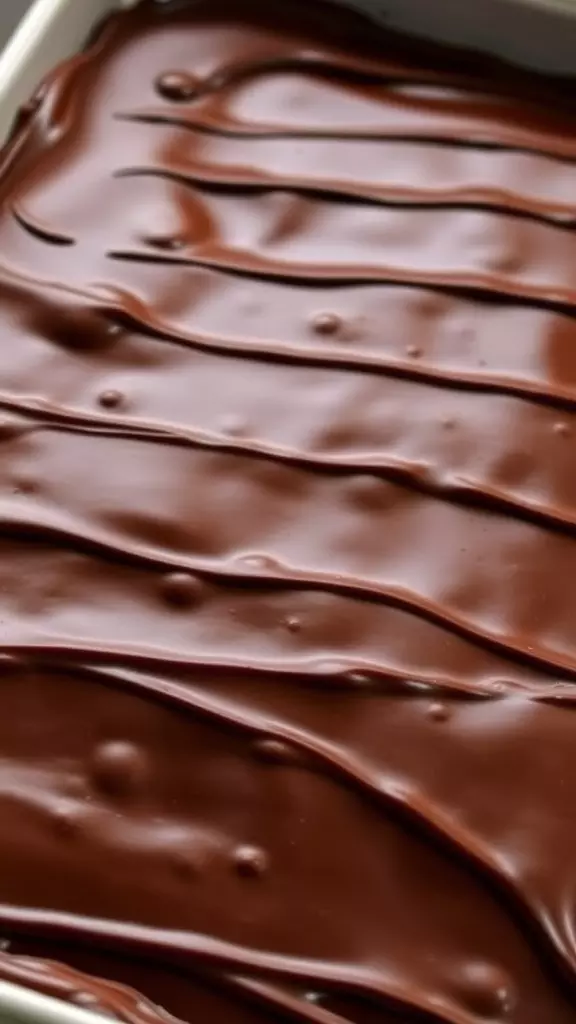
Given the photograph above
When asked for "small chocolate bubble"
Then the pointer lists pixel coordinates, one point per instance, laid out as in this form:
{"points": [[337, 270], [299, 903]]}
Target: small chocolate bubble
{"points": [[326, 323], [438, 712], [177, 86], [562, 429], [486, 990], [250, 861], [4, 945], [119, 768], [111, 399], [293, 624], [181, 589]]}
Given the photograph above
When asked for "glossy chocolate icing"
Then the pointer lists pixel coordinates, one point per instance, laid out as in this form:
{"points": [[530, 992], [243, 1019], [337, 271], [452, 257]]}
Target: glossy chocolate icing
{"points": [[288, 573]]}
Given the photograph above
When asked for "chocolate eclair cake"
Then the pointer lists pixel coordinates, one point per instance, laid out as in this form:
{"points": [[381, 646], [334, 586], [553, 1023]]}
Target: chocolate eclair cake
{"points": [[288, 526]]}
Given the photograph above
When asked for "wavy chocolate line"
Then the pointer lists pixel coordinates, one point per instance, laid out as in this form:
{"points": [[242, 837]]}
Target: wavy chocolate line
{"points": [[494, 137], [466, 197], [422, 478], [331, 673], [133, 314], [554, 934], [267, 269], [39, 231], [295, 1008], [186, 949], [66, 529]]}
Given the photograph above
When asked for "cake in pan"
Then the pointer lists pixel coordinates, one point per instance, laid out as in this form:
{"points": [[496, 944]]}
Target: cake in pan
{"points": [[288, 559]]}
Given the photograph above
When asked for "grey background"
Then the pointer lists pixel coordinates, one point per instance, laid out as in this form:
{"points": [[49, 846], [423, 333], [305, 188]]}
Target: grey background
{"points": [[10, 13], [515, 29]]}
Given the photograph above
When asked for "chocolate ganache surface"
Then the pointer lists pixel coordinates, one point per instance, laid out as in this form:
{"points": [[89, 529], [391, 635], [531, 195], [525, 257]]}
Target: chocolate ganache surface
{"points": [[287, 527]]}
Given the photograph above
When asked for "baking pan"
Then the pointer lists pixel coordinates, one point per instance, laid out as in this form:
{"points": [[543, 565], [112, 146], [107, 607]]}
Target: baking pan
{"points": [[537, 34], [51, 31]]}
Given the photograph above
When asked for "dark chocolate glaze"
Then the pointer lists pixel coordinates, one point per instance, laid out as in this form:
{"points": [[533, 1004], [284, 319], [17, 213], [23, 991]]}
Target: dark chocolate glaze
{"points": [[287, 528]]}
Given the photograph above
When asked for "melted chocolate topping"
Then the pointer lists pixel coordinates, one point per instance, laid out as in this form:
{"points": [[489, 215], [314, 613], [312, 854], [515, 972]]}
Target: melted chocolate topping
{"points": [[288, 513]]}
